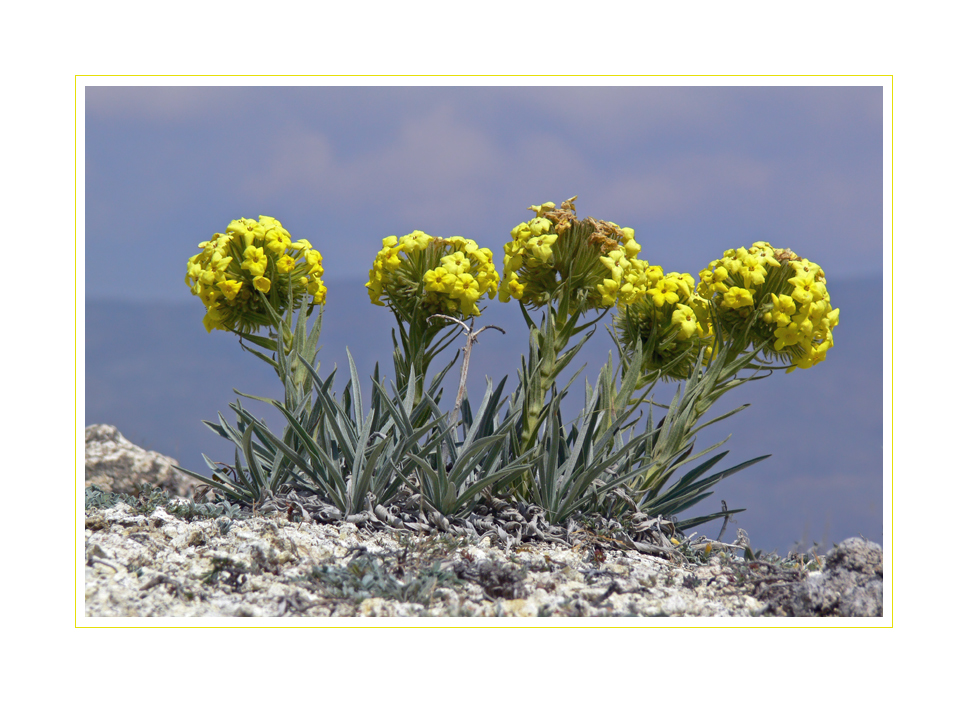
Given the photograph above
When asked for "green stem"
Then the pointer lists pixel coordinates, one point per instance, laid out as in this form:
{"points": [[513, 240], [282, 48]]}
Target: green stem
{"points": [[555, 336]]}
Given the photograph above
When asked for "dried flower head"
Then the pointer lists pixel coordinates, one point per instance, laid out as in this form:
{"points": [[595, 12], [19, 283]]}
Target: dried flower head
{"points": [[554, 255]]}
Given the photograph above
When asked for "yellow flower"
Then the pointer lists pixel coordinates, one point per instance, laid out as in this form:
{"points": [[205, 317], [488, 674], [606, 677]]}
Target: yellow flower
{"points": [[685, 284], [511, 288], [616, 264], [456, 263], [244, 231], [539, 226], [230, 289], [465, 287], [806, 269], [483, 256], [255, 260], [422, 239], [664, 292], [543, 208], [540, 247], [438, 280], [805, 328], [520, 233], [737, 298], [219, 262], [388, 259], [375, 290], [833, 319], [753, 273], [734, 263], [513, 262], [285, 264], [806, 289], [313, 258], [214, 319], [276, 242], [632, 248], [262, 283], [786, 336], [654, 274], [764, 253], [685, 317], [784, 303], [713, 279], [607, 289]]}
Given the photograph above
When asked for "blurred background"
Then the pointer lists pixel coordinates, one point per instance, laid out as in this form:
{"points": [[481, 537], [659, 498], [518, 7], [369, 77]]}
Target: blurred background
{"points": [[694, 171]]}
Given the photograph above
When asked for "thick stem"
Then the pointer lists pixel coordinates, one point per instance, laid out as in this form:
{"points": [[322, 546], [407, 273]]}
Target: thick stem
{"points": [[556, 326], [414, 344]]}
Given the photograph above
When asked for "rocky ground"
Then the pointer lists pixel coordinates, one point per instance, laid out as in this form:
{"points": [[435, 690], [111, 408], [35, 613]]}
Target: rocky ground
{"points": [[164, 558]]}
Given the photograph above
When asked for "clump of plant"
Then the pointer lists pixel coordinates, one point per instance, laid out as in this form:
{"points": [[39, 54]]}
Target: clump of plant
{"points": [[754, 310], [369, 576], [149, 498], [250, 278], [145, 501]]}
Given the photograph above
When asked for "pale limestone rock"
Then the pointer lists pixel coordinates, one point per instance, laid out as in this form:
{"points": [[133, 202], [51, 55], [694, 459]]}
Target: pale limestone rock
{"points": [[850, 585], [115, 465], [160, 565]]}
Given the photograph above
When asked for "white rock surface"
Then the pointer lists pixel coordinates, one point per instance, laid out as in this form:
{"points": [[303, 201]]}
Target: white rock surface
{"points": [[160, 565], [268, 566]]}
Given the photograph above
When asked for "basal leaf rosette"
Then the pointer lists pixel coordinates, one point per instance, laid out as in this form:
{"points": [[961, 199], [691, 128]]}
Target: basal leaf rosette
{"points": [[418, 276], [588, 264], [766, 295], [670, 319], [249, 258]]}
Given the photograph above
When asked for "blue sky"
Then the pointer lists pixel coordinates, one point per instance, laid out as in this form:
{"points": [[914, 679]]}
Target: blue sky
{"points": [[693, 170]]}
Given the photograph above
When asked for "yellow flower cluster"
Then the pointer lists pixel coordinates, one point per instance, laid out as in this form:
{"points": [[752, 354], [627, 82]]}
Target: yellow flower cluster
{"points": [[762, 293], [420, 275], [671, 320], [554, 251], [251, 257]]}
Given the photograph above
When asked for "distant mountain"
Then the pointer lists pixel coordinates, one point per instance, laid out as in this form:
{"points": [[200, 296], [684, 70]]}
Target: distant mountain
{"points": [[153, 371]]}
